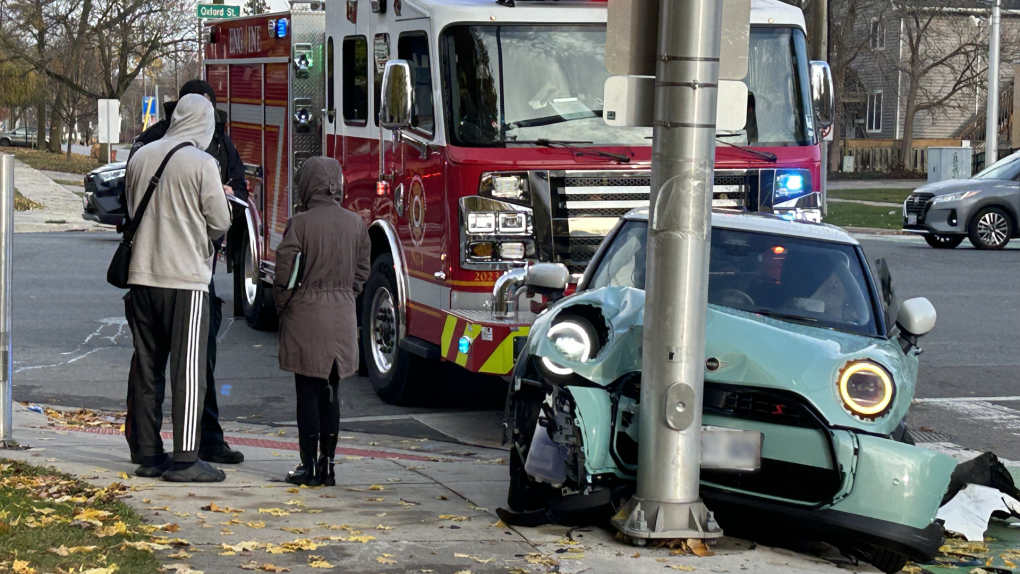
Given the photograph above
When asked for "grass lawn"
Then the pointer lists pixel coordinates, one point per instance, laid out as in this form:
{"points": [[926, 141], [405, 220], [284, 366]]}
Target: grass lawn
{"points": [[22, 203], [884, 195], [857, 215], [53, 522], [53, 161]]}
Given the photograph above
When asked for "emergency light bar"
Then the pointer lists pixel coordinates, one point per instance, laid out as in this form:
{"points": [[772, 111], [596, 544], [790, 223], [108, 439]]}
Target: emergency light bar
{"points": [[513, 3]]}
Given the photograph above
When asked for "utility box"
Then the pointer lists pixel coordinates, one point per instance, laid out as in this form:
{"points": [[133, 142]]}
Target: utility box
{"points": [[948, 163]]}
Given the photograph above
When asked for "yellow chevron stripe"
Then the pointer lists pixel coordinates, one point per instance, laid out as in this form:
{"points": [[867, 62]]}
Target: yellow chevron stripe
{"points": [[451, 322], [470, 331], [501, 361]]}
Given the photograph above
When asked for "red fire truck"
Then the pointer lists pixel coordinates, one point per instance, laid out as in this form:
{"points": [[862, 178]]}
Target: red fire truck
{"points": [[503, 156]]}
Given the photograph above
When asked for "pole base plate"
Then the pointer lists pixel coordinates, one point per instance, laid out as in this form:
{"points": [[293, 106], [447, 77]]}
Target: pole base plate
{"points": [[642, 520], [10, 445]]}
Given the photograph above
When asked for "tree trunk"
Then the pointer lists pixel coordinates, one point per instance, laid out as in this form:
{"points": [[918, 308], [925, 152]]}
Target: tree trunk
{"points": [[40, 116], [57, 121], [836, 149], [908, 128]]}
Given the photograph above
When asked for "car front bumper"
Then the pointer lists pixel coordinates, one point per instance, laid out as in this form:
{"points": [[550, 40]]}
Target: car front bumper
{"points": [[94, 210]]}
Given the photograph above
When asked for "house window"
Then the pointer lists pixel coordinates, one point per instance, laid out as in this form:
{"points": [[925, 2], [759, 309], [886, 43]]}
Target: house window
{"points": [[874, 121], [877, 34]]}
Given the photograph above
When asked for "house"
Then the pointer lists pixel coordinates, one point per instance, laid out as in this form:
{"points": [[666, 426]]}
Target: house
{"points": [[876, 90]]}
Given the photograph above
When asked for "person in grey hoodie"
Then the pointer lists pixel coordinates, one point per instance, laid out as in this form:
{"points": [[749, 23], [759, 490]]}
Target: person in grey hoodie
{"points": [[169, 274]]}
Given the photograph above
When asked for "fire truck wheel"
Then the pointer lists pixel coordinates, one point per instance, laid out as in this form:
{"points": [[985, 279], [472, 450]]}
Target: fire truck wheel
{"points": [[388, 364], [256, 301]]}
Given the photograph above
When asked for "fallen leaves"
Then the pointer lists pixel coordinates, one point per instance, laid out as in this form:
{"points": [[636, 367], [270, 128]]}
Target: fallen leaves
{"points": [[65, 551], [318, 562], [178, 568], [377, 487], [680, 567], [293, 530], [179, 555], [454, 517], [274, 511], [22, 567], [212, 507], [541, 559], [253, 565], [699, 548], [475, 558], [384, 560], [258, 524]]}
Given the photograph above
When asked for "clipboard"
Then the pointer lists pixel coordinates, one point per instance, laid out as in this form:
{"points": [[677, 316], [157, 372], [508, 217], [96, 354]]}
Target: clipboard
{"points": [[295, 273]]}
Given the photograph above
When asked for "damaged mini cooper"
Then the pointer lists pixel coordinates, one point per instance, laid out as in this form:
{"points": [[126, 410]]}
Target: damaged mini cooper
{"points": [[806, 347]]}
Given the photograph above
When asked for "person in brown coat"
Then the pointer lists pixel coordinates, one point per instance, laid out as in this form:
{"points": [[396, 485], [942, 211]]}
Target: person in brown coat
{"points": [[318, 326]]}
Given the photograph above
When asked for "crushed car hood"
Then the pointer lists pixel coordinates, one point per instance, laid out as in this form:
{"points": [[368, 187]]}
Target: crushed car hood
{"points": [[752, 350]]}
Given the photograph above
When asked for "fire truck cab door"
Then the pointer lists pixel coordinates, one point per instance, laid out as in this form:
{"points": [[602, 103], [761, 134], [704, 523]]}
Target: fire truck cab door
{"points": [[417, 184]]}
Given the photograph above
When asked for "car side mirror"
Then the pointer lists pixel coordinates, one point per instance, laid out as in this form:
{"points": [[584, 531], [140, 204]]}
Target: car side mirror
{"points": [[822, 97], [547, 277], [916, 318], [395, 96]]}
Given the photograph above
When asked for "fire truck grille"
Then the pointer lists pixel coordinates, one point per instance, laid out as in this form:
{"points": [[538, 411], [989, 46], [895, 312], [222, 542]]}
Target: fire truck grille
{"points": [[587, 205]]}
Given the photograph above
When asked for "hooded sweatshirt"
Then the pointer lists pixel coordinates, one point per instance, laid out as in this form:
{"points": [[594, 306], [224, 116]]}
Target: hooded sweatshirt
{"points": [[173, 247]]}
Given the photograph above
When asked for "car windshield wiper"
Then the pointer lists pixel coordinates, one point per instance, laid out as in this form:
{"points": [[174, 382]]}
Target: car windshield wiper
{"points": [[788, 316], [762, 154], [578, 150]]}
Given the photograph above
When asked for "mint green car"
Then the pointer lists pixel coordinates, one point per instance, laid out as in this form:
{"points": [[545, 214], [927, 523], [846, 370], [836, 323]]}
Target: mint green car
{"points": [[804, 344]]}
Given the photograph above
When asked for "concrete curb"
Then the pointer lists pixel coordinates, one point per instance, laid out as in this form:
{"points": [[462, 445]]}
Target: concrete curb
{"points": [[59, 204]]}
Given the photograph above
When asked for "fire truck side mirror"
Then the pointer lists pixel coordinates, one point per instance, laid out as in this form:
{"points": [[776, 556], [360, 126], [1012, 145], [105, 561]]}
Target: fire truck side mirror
{"points": [[395, 99], [822, 94]]}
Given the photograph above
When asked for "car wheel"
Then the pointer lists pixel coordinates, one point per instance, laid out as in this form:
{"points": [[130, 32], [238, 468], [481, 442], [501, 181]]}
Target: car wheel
{"points": [[5, 142], [991, 228], [259, 312], [525, 494], [943, 241], [888, 561], [389, 366]]}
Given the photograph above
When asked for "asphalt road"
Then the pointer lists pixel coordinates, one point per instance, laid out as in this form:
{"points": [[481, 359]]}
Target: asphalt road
{"points": [[72, 347]]}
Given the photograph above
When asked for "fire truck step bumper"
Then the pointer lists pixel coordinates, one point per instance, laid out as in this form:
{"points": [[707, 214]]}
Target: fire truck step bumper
{"points": [[420, 347]]}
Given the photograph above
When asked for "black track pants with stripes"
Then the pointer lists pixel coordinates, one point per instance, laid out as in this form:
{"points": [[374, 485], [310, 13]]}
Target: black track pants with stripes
{"points": [[169, 324]]}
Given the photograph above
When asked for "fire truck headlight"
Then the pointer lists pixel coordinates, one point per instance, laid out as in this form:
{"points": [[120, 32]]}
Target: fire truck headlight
{"points": [[511, 187], [482, 223]]}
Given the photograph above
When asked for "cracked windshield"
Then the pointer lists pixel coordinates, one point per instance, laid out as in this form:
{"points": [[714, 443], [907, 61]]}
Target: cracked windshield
{"points": [[521, 84]]}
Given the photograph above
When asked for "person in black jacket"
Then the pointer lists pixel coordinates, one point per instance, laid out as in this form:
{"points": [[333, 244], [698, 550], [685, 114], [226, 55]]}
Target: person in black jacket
{"points": [[212, 446]]}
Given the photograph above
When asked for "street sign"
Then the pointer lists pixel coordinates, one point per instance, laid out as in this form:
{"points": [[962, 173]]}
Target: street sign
{"points": [[210, 11], [109, 122], [633, 27], [148, 110], [630, 102]]}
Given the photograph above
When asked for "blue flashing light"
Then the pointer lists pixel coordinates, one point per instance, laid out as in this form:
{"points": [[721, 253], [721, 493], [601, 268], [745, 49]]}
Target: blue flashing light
{"points": [[281, 28], [791, 182], [789, 216], [464, 345]]}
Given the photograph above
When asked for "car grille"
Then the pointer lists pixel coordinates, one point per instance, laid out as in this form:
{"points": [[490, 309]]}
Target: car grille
{"points": [[917, 204], [587, 204], [774, 407]]}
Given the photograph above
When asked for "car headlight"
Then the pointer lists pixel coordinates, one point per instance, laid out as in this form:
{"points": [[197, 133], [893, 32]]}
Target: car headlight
{"points": [[866, 389], [106, 176], [957, 196], [572, 341]]}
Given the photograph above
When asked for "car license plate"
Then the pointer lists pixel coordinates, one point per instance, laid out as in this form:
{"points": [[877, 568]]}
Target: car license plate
{"points": [[731, 449], [912, 219]]}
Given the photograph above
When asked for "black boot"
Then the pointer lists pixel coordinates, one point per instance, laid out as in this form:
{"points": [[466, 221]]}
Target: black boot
{"points": [[304, 474], [327, 453]]}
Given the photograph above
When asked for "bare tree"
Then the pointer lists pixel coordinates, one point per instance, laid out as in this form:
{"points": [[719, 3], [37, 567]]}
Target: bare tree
{"points": [[943, 60], [850, 35]]}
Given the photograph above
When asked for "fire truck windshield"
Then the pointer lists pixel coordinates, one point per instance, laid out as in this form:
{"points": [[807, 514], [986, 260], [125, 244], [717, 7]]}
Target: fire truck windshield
{"points": [[521, 84]]}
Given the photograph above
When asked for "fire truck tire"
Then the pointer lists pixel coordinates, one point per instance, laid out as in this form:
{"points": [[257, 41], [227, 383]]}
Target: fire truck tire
{"points": [[256, 301], [388, 365]]}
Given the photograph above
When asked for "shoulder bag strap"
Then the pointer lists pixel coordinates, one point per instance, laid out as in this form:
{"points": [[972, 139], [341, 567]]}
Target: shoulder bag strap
{"points": [[129, 231]]}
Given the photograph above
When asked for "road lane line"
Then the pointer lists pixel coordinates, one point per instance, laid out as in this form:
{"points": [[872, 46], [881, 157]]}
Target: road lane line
{"points": [[952, 400]]}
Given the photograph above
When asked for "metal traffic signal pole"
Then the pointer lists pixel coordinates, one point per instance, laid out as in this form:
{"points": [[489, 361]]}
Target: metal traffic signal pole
{"points": [[992, 104], [667, 503]]}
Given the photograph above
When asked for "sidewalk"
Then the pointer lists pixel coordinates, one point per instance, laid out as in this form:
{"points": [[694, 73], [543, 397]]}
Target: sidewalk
{"points": [[401, 505], [62, 208], [874, 183]]}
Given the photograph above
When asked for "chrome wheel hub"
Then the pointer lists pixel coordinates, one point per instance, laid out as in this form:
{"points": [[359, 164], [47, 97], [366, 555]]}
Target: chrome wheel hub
{"points": [[250, 279], [992, 228], [383, 330]]}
